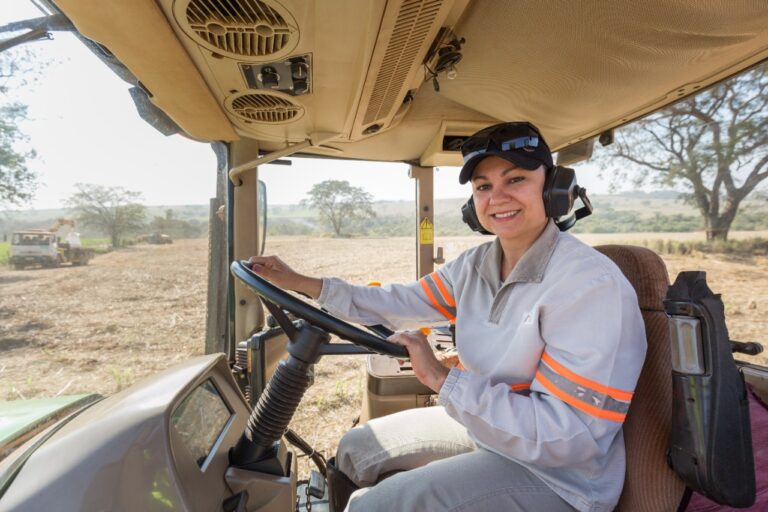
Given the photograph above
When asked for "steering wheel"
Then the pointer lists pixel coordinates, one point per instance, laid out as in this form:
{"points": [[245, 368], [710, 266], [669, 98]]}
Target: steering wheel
{"points": [[317, 317]]}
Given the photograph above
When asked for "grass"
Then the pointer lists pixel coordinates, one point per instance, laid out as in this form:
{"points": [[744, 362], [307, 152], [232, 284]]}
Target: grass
{"points": [[5, 252], [746, 247], [99, 245], [123, 377], [94, 242]]}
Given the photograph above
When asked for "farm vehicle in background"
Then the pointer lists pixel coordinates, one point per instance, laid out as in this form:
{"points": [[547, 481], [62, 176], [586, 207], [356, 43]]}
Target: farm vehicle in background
{"points": [[156, 239], [48, 247]]}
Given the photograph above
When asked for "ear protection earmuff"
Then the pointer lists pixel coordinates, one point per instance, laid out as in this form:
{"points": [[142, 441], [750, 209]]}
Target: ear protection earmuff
{"points": [[560, 193], [469, 216]]}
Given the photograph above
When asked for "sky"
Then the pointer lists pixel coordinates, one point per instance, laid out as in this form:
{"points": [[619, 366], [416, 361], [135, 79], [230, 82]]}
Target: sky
{"points": [[90, 133]]}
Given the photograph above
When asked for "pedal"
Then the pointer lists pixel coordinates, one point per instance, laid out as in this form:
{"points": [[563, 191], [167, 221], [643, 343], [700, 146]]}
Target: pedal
{"points": [[316, 484]]}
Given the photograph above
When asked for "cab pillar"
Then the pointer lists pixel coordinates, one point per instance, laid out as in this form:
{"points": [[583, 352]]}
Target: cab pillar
{"points": [[425, 225], [249, 315]]}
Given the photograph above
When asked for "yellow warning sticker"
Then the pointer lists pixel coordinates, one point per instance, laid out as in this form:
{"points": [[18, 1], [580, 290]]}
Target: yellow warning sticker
{"points": [[426, 232]]}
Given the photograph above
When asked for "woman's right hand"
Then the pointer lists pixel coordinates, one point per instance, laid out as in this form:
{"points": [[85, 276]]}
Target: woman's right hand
{"points": [[279, 273]]}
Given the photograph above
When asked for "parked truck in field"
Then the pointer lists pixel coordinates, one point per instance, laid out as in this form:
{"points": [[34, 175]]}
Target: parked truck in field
{"points": [[49, 247], [158, 239]]}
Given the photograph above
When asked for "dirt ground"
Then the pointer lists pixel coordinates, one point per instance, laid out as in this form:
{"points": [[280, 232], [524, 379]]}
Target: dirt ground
{"points": [[98, 328], [133, 312]]}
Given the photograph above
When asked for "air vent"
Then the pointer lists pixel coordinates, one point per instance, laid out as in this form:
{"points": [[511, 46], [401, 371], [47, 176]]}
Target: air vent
{"points": [[264, 108], [407, 30], [414, 23], [242, 29]]}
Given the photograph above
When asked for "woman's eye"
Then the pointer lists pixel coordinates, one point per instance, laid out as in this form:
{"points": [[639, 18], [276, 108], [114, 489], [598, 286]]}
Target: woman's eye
{"points": [[516, 179], [483, 187]]}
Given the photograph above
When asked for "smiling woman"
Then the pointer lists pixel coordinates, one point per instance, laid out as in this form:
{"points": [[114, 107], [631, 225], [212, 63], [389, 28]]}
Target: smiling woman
{"points": [[533, 366], [547, 330]]}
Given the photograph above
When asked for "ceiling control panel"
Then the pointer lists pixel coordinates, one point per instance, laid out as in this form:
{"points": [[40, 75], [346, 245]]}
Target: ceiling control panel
{"points": [[292, 76]]}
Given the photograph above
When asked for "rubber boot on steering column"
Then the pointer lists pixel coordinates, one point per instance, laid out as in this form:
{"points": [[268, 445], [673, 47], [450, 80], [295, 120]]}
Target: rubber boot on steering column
{"points": [[340, 487]]}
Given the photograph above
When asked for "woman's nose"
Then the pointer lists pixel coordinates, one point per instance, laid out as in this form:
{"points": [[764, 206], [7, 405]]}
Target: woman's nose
{"points": [[498, 194]]}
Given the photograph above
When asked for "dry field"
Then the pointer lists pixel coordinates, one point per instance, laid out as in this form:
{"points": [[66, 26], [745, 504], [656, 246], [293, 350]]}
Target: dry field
{"points": [[133, 312]]}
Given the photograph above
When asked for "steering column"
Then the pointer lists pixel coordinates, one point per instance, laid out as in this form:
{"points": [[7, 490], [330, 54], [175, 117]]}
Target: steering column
{"points": [[259, 447], [277, 404]]}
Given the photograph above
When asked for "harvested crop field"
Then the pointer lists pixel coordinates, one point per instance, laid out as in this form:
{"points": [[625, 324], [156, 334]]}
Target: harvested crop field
{"points": [[133, 312]]}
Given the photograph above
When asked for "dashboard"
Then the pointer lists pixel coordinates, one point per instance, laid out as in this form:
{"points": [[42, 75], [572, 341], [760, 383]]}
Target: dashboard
{"points": [[161, 444]]}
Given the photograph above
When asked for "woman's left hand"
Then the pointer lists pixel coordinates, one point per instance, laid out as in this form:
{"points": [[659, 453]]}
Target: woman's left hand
{"points": [[427, 368]]}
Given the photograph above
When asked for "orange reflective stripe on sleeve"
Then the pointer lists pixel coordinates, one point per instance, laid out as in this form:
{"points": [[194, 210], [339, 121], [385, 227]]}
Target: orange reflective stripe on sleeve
{"points": [[583, 394], [434, 301], [443, 290], [436, 298], [618, 394], [578, 404]]}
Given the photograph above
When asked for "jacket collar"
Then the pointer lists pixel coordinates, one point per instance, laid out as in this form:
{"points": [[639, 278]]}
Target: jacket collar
{"points": [[530, 268]]}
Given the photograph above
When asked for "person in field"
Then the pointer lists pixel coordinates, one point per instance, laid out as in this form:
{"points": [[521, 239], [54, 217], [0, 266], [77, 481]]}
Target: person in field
{"points": [[550, 341]]}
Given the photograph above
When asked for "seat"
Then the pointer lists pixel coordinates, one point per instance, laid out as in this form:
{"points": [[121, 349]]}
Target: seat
{"points": [[650, 484]]}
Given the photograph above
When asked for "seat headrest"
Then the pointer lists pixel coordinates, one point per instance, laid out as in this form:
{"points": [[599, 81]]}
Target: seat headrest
{"points": [[645, 271]]}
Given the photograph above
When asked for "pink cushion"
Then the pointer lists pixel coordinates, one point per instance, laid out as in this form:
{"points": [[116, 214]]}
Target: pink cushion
{"points": [[758, 417]]}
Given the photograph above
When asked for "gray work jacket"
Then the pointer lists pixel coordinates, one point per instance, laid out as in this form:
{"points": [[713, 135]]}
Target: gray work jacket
{"points": [[549, 357]]}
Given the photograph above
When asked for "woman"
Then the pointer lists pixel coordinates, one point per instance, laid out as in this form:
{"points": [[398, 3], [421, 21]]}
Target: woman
{"points": [[551, 344]]}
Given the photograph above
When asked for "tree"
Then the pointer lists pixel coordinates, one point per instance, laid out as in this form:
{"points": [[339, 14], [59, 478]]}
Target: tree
{"points": [[338, 203], [163, 224], [715, 144], [177, 228], [112, 210], [17, 181]]}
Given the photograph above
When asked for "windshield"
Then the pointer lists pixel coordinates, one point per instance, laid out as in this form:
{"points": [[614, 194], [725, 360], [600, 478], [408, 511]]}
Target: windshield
{"points": [[31, 239]]}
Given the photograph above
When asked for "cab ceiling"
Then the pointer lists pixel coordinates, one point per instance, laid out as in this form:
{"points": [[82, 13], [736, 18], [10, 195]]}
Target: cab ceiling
{"points": [[573, 68]]}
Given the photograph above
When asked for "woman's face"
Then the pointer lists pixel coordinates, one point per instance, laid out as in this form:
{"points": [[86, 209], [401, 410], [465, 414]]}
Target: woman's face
{"points": [[509, 200]]}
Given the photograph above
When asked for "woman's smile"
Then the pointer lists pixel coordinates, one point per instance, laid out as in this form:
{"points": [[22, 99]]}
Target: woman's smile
{"points": [[504, 216]]}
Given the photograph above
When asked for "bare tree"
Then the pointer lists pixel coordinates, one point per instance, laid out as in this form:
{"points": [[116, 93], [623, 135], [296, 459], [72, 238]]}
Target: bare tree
{"points": [[338, 202], [715, 144], [112, 210]]}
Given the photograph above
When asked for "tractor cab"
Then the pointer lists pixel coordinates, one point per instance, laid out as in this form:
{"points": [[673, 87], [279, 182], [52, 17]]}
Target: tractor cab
{"points": [[404, 81]]}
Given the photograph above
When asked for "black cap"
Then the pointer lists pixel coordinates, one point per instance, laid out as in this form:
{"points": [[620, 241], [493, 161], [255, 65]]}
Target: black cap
{"points": [[520, 143]]}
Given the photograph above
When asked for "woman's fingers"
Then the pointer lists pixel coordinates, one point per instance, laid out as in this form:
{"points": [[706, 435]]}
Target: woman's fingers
{"points": [[401, 338], [273, 268], [280, 274], [413, 341], [426, 367], [272, 262]]}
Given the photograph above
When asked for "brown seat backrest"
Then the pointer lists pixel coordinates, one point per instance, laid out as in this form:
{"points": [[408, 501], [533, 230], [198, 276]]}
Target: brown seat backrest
{"points": [[650, 484]]}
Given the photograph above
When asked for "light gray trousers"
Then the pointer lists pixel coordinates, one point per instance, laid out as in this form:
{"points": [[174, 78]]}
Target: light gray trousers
{"points": [[428, 462]]}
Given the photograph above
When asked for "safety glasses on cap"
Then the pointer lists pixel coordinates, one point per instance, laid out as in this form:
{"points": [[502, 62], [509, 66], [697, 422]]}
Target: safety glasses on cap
{"points": [[501, 137]]}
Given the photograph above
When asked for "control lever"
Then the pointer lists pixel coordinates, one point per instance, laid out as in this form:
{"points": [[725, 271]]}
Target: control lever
{"points": [[751, 348]]}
